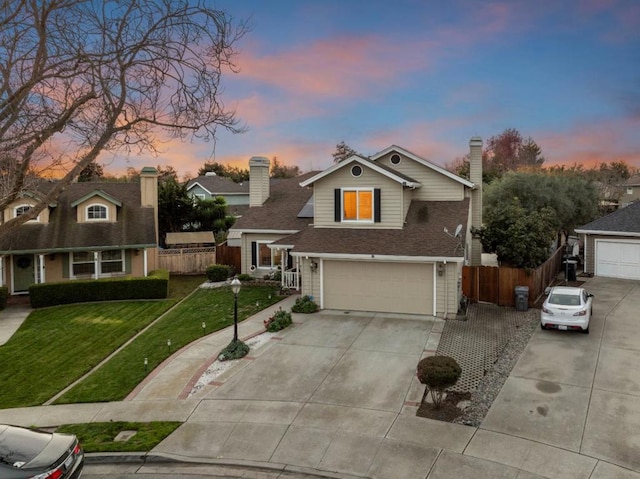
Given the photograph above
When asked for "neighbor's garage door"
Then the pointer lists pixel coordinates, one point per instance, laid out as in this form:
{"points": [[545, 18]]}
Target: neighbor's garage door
{"points": [[618, 259], [384, 287]]}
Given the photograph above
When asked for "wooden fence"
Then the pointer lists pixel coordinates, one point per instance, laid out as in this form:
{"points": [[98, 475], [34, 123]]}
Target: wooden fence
{"points": [[186, 260], [497, 285], [229, 255]]}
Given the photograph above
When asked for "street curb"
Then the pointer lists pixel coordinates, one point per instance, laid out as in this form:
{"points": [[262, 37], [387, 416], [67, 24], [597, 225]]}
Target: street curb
{"points": [[142, 458]]}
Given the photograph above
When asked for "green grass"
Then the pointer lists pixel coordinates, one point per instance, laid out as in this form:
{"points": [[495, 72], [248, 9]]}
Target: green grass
{"points": [[182, 325], [182, 285], [99, 436], [56, 346]]}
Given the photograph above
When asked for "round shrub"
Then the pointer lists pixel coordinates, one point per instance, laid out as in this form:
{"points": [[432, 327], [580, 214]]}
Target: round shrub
{"points": [[280, 320], [305, 305], [245, 277], [438, 373], [234, 350], [218, 272]]}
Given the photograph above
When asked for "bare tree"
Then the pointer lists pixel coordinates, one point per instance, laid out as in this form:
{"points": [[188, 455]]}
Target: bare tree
{"points": [[81, 76]]}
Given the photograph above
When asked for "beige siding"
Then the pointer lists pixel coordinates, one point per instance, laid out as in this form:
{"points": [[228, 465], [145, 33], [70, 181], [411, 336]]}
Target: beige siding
{"points": [[311, 279], [81, 209], [247, 239], [391, 197], [378, 286], [448, 289], [435, 185], [43, 217]]}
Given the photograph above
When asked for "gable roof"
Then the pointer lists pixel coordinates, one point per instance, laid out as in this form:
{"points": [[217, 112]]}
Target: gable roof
{"points": [[99, 193], [422, 161], [622, 222], [135, 226], [280, 211], [383, 170], [219, 185], [422, 236]]}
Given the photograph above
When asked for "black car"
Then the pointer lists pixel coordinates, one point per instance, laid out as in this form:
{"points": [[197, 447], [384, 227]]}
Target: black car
{"points": [[28, 453]]}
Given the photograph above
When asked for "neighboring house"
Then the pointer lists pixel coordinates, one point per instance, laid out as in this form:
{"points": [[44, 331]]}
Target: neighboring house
{"points": [[210, 186], [389, 233], [93, 230], [612, 244], [630, 191]]}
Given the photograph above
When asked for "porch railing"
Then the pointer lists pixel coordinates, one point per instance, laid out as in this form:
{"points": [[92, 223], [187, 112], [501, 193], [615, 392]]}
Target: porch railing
{"points": [[291, 280]]}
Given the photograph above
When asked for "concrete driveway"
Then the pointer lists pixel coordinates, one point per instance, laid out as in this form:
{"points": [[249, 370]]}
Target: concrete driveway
{"points": [[579, 393]]}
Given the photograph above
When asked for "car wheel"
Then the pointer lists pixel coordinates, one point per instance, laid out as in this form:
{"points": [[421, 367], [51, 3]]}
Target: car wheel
{"points": [[542, 326], [586, 331]]}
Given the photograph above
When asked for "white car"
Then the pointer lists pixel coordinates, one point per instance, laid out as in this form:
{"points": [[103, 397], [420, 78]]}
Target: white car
{"points": [[567, 308]]}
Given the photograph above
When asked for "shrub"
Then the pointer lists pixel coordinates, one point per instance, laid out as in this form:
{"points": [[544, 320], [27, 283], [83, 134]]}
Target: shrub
{"points": [[438, 373], [234, 350], [218, 272], [245, 277], [280, 320], [154, 286], [4, 295], [305, 305]]}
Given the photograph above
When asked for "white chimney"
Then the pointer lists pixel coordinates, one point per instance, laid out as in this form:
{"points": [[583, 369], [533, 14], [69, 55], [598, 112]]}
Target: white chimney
{"points": [[258, 180], [475, 175]]}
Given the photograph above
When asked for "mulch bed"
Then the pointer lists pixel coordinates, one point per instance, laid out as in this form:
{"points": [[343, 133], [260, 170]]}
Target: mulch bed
{"points": [[449, 409]]}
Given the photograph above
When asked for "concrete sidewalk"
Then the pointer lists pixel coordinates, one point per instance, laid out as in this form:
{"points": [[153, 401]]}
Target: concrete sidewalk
{"points": [[311, 400], [10, 320]]}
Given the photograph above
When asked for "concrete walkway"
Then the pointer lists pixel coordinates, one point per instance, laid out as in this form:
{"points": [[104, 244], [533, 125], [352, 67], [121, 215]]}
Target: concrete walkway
{"points": [[336, 394]]}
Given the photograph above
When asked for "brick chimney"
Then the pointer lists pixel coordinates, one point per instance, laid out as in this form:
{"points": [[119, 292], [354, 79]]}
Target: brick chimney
{"points": [[258, 180], [475, 175]]}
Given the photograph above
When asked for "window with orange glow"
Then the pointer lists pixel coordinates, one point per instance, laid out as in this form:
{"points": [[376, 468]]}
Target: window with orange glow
{"points": [[357, 205]]}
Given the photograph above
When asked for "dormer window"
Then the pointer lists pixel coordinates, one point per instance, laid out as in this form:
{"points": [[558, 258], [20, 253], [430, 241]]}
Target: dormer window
{"points": [[22, 210], [97, 213]]}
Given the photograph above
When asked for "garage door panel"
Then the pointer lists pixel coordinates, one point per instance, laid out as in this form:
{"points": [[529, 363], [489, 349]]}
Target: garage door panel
{"points": [[618, 259], [378, 286]]}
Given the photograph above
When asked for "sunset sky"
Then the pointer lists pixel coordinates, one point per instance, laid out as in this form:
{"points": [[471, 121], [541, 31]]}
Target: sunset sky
{"points": [[427, 75]]}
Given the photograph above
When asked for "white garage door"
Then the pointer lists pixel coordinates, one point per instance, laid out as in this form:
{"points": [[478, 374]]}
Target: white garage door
{"points": [[618, 259], [384, 287]]}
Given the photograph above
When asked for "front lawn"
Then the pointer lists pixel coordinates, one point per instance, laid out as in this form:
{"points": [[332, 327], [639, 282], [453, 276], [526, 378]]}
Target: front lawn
{"points": [[100, 436], [56, 346], [182, 325]]}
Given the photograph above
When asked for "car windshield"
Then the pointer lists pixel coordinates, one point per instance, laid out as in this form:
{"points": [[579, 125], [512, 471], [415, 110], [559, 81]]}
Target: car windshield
{"points": [[564, 299]]}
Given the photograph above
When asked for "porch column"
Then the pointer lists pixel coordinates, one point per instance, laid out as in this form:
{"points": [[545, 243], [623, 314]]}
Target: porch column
{"points": [[2, 270], [283, 267], [145, 263], [41, 268], [96, 264]]}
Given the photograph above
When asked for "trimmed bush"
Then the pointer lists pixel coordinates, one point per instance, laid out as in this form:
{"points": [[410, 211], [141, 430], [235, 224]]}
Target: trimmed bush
{"points": [[243, 278], [234, 350], [280, 320], [154, 286], [4, 296], [218, 272], [438, 373], [305, 305]]}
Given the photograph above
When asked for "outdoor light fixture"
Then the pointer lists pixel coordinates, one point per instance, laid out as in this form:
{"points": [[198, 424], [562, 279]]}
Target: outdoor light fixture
{"points": [[235, 288], [169, 344], [313, 265], [146, 364], [440, 269], [204, 328]]}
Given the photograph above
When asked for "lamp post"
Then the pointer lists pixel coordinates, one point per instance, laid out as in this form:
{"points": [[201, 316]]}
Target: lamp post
{"points": [[235, 288]]}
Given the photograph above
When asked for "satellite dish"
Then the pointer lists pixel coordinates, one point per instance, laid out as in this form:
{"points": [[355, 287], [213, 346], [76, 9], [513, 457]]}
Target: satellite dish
{"points": [[458, 230]]}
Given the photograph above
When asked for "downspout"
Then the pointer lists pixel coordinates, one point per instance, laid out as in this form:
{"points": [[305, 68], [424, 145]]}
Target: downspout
{"points": [[446, 291], [96, 265], [2, 270]]}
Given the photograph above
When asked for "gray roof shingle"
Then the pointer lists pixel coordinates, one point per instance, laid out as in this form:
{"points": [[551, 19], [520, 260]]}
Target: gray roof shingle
{"points": [[623, 220], [135, 226]]}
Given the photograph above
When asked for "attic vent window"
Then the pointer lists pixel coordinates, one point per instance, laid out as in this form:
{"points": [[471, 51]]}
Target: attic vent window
{"points": [[97, 212], [356, 170], [395, 159]]}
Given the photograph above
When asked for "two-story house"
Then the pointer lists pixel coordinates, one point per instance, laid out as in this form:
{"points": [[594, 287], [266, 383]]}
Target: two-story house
{"points": [[93, 230], [630, 191], [388, 233]]}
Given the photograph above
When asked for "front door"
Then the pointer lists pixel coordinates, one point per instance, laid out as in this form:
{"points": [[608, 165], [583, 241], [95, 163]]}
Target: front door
{"points": [[23, 273]]}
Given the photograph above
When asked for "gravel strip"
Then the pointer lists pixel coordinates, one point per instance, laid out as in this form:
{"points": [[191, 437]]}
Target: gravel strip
{"points": [[490, 385]]}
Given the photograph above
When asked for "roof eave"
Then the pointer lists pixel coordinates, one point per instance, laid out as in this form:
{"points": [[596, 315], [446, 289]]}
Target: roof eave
{"points": [[608, 233]]}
